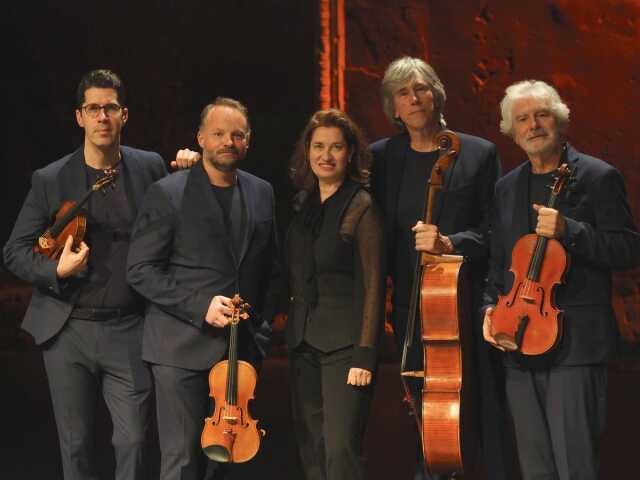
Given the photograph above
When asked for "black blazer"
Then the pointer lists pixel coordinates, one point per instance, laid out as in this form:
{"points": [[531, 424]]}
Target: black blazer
{"points": [[181, 256], [65, 179], [462, 208], [600, 237]]}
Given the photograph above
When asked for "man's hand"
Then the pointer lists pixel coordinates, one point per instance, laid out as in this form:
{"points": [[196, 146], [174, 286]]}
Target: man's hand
{"points": [[359, 377], [71, 262], [550, 223], [429, 239], [185, 158], [487, 331], [219, 313]]}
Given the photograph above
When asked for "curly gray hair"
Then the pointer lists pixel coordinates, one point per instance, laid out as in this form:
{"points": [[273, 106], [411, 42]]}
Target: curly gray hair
{"points": [[536, 89]]}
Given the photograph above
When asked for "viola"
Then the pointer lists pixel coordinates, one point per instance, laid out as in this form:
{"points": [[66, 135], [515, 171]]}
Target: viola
{"points": [[230, 434], [526, 319], [70, 220], [441, 296]]}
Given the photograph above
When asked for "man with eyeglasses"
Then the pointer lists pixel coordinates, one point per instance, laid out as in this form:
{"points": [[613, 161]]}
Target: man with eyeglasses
{"points": [[83, 314]]}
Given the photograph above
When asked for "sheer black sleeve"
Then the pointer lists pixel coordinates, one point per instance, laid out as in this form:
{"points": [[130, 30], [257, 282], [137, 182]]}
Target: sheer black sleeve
{"points": [[363, 223]]}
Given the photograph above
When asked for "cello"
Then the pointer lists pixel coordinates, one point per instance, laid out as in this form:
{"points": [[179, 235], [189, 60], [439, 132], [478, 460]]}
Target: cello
{"points": [[230, 434], [441, 296], [526, 319], [70, 220]]}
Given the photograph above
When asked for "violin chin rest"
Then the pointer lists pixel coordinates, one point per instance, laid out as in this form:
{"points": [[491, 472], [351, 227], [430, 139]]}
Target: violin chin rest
{"points": [[217, 453]]}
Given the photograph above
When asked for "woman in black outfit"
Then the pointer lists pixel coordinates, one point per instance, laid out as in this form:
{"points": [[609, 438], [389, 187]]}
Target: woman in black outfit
{"points": [[334, 254]]}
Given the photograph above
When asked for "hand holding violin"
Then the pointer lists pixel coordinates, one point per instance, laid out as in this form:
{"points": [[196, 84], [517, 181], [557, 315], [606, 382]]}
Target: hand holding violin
{"points": [[551, 223], [71, 262], [487, 331], [219, 313]]}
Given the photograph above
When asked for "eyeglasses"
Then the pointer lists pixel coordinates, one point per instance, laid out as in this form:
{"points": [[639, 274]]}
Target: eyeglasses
{"points": [[92, 110]]}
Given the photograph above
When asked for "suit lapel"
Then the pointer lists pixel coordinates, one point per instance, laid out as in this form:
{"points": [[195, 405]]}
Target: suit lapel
{"points": [[135, 179], [73, 178], [395, 162], [520, 216], [248, 198], [200, 208], [571, 157]]}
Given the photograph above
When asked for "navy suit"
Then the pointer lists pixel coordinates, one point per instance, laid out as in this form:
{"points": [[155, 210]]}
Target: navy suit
{"points": [[558, 406], [461, 212], [59, 181], [83, 357], [181, 256]]}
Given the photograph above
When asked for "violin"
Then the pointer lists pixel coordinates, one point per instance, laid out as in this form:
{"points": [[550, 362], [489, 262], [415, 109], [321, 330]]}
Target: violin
{"points": [[70, 220], [230, 434], [442, 298], [527, 319]]}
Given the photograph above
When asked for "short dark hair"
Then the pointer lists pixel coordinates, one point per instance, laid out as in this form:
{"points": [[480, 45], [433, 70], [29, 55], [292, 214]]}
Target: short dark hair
{"points": [[357, 169], [101, 78], [225, 102]]}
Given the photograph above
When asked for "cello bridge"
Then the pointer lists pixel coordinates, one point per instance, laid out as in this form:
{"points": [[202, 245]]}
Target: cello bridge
{"points": [[230, 419]]}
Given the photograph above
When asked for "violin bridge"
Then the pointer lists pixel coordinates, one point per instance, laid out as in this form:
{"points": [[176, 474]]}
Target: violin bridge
{"points": [[230, 419], [413, 373]]}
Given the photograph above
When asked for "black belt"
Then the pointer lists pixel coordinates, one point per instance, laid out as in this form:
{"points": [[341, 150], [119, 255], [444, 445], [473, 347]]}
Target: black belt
{"points": [[97, 314]]}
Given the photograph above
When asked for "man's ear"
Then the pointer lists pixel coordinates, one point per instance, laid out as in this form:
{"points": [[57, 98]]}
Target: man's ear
{"points": [[200, 138], [79, 118], [125, 114]]}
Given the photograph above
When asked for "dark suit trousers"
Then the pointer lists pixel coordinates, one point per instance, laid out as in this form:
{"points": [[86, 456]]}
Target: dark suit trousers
{"points": [[182, 402], [329, 416], [86, 358], [559, 415]]}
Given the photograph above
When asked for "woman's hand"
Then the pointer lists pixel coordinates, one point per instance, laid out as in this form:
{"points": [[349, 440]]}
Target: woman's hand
{"points": [[359, 377]]}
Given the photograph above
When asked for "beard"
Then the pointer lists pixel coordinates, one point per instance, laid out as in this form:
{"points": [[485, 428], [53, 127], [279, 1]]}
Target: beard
{"points": [[224, 163], [551, 142]]}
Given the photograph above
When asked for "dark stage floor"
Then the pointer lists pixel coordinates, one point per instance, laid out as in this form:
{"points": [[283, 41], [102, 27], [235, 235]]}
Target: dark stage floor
{"points": [[29, 448]]}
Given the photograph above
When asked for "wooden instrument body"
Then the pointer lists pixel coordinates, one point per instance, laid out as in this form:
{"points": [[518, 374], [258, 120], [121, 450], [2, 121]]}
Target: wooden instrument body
{"points": [[527, 315], [77, 227], [448, 389], [230, 434], [441, 292], [70, 220]]}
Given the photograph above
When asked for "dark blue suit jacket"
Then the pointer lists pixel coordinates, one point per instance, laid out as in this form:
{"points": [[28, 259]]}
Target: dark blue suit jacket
{"points": [[181, 256], [51, 303], [600, 237]]}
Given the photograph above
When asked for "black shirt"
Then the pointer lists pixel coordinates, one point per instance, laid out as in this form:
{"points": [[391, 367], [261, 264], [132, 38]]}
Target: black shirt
{"points": [[410, 209], [234, 214], [109, 221]]}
